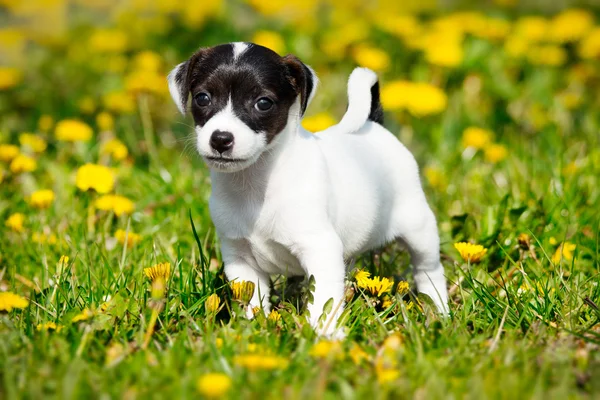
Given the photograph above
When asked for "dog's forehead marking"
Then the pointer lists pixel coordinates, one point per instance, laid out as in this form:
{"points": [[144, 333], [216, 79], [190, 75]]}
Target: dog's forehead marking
{"points": [[238, 49]]}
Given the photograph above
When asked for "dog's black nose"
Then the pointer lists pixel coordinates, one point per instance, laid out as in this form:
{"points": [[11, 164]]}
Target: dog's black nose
{"points": [[221, 141]]}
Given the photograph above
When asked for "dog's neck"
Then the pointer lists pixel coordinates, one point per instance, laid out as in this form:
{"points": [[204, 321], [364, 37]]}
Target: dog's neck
{"points": [[253, 180]]}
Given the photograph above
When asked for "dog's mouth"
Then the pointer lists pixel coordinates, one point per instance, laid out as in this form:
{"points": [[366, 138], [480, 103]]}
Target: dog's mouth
{"points": [[225, 163], [225, 160]]}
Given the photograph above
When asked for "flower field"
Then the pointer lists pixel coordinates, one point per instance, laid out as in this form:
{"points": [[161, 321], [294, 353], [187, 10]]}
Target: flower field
{"points": [[111, 280]]}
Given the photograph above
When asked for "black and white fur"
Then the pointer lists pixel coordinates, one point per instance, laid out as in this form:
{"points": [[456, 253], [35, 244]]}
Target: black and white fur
{"points": [[287, 201]]}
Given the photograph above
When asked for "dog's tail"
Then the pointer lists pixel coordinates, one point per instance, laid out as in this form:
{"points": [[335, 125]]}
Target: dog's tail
{"points": [[363, 100]]}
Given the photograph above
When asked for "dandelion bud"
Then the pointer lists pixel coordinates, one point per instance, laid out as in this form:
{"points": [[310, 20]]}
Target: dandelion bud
{"points": [[402, 288], [274, 317], [212, 303]]}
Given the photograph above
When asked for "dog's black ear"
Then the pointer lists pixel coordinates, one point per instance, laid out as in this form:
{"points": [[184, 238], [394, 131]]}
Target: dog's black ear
{"points": [[180, 80], [303, 79]]}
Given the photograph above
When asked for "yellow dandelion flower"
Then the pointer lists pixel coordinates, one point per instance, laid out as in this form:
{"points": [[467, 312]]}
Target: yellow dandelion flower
{"points": [[274, 317], [516, 46], [96, 177], [45, 123], [476, 138], [119, 102], [35, 143], [371, 57], [550, 55], [495, 153], [214, 385], [426, 99], [420, 99], [108, 41], [470, 252], [326, 349], [147, 61], [435, 177], [394, 95], [362, 277], [377, 285], [131, 238], [271, 40], [400, 25], [570, 25], [252, 347], [84, 315], [357, 354], [589, 47], [146, 81], [43, 238], [402, 288], [105, 121], [524, 241], [23, 163], [63, 260], [158, 271], [387, 302], [49, 326], [318, 122], [9, 77], [212, 303], [532, 28], [445, 53], [242, 290], [72, 130], [564, 252], [387, 375], [118, 204], [9, 300], [15, 222], [219, 342], [8, 152], [42, 198], [256, 361], [116, 149]]}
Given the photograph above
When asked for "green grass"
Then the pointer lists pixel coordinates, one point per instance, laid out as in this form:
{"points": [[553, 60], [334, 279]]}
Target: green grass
{"points": [[521, 325]]}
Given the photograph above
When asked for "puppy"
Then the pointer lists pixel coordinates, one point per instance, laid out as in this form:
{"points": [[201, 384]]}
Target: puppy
{"points": [[287, 201]]}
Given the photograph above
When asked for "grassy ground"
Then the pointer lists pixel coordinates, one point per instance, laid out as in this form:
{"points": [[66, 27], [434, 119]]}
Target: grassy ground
{"points": [[524, 320]]}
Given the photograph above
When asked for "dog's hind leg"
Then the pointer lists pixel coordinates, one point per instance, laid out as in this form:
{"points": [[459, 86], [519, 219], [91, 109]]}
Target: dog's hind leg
{"points": [[418, 232]]}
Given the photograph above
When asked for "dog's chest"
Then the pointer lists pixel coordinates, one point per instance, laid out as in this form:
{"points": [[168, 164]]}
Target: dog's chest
{"points": [[255, 222]]}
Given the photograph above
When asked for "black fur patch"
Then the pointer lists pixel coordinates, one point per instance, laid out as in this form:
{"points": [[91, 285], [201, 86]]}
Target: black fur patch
{"points": [[376, 114], [257, 72]]}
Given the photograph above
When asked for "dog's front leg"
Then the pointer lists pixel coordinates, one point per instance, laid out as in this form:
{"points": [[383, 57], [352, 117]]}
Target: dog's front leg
{"points": [[235, 253], [321, 256]]}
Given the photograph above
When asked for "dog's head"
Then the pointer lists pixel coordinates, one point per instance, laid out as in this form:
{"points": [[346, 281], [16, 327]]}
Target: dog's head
{"points": [[242, 96]]}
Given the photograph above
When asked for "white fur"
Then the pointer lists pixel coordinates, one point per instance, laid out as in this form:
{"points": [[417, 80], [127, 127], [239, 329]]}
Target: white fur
{"points": [[248, 144], [309, 202], [238, 49], [359, 94], [314, 201], [174, 88]]}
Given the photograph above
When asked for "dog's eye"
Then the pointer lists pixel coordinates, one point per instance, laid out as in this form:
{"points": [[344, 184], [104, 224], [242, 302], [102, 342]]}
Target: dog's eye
{"points": [[202, 99], [263, 104]]}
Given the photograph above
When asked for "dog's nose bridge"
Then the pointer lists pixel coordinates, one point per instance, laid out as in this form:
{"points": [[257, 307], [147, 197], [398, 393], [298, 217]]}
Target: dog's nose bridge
{"points": [[221, 141]]}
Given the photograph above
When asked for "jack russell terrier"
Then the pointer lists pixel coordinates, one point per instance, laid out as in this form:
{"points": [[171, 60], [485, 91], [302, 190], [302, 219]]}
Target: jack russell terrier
{"points": [[287, 201]]}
